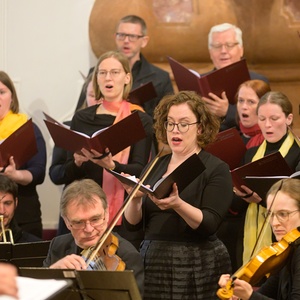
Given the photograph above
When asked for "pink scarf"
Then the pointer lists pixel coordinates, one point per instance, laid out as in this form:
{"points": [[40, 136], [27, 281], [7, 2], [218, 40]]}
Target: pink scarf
{"points": [[110, 184], [255, 133]]}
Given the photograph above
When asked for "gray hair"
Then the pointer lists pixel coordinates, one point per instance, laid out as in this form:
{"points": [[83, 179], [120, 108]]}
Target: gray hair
{"points": [[224, 27]]}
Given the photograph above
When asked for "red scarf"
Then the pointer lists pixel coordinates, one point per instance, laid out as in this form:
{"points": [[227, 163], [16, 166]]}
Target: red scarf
{"points": [[255, 133]]}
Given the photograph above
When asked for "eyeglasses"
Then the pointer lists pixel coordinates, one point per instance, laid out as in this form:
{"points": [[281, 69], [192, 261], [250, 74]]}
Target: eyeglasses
{"points": [[228, 46], [95, 222], [182, 127], [113, 73], [131, 37], [281, 215]]}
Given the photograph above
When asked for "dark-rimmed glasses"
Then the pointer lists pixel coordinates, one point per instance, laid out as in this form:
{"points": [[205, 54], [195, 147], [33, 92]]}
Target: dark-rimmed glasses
{"points": [[131, 37], [182, 126]]}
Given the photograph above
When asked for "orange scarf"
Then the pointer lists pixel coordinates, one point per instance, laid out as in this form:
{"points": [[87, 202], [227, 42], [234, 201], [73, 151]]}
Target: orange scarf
{"points": [[111, 186]]}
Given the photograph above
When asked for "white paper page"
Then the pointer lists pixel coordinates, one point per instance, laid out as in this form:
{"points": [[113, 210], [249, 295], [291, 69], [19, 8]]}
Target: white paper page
{"points": [[37, 289]]}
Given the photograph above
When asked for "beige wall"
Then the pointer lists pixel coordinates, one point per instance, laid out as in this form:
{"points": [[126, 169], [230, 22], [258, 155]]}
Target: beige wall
{"points": [[44, 44]]}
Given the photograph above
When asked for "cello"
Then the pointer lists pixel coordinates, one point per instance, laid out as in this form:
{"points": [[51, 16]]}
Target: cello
{"points": [[102, 256]]}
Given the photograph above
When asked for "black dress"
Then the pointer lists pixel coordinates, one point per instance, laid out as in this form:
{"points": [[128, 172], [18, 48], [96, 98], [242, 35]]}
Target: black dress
{"points": [[181, 262]]}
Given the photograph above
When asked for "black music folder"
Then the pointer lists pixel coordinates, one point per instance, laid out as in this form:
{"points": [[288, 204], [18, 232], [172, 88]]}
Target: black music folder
{"points": [[183, 175], [225, 79], [25, 254], [100, 285], [229, 147], [142, 94], [270, 165], [21, 144], [262, 184], [115, 137]]}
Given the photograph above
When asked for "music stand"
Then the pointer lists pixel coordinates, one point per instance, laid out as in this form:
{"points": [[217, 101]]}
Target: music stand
{"points": [[88, 285], [29, 254], [5, 251]]}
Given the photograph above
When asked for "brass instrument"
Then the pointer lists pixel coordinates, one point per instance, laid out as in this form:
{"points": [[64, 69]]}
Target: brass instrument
{"points": [[3, 233]]}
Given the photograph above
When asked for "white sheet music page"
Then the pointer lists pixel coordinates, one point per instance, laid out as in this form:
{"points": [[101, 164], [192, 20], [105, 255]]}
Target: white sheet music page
{"points": [[37, 289]]}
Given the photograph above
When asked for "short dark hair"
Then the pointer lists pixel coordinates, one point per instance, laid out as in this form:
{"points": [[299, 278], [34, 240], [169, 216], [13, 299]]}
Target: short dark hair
{"points": [[134, 20], [8, 186]]}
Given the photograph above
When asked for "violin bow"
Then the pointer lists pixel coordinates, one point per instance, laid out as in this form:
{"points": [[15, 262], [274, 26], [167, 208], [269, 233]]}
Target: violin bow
{"points": [[90, 257], [265, 223]]}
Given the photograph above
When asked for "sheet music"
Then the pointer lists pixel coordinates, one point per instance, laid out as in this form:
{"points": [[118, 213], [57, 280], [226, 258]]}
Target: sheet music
{"points": [[37, 289]]}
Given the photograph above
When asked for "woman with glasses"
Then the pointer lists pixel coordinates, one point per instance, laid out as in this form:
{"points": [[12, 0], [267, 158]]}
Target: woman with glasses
{"points": [[112, 82], [275, 118], [182, 255], [283, 213]]}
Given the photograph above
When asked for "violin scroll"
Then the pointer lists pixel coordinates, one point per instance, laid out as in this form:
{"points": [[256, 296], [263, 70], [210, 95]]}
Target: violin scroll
{"points": [[226, 292]]}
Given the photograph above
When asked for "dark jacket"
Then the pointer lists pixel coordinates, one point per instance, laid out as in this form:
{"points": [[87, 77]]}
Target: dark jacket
{"points": [[65, 245]]}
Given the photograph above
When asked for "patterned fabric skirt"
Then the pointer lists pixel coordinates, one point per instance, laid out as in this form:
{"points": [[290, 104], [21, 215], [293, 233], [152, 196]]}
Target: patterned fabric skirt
{"points": [[183, 270]]}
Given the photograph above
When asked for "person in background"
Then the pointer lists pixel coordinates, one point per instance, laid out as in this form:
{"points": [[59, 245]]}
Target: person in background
{"points": [[225, 45], [112, 82], [85, 211], [8, 205], [248, 95], [8, 280], [131, 37], [231, 231], [283, 210], [275, 117], [28, 212], [182, 255], [59, 155]]}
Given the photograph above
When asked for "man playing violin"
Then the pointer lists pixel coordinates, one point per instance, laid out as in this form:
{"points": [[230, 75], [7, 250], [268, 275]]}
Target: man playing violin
{"points": [[85, 211], [283, 204]]}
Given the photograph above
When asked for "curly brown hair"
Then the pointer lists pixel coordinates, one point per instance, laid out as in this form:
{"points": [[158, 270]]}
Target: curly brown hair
{"points": [[208, 122]]}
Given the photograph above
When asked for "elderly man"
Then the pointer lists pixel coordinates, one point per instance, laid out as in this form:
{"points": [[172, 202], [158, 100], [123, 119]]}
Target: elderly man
{"points": [[225, 46], [85, 211]]}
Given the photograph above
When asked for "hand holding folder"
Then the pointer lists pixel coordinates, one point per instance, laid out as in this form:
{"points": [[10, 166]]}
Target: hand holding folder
{"points": [[270, 165], [115, 137], [225, 79], [183, 175]]}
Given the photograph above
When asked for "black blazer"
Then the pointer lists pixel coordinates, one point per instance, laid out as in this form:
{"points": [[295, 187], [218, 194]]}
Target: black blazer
{"points": [[64, 245]]}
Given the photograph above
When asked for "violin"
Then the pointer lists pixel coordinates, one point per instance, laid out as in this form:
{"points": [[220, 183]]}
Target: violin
{"points": [[102, 255], [268, 261], [106, 259]]}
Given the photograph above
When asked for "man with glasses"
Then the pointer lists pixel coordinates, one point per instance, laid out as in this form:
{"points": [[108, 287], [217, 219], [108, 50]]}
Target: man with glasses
{"points": [[85, 211], [225, 45], [131, 37]]}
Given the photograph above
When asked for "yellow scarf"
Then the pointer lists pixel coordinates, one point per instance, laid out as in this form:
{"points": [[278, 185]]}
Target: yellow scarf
{"points": [[254, 215], [10, 123]]}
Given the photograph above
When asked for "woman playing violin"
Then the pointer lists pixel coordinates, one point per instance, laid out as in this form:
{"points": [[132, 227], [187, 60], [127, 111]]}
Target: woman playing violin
{"points": [[284, 216], [85, 211]]}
